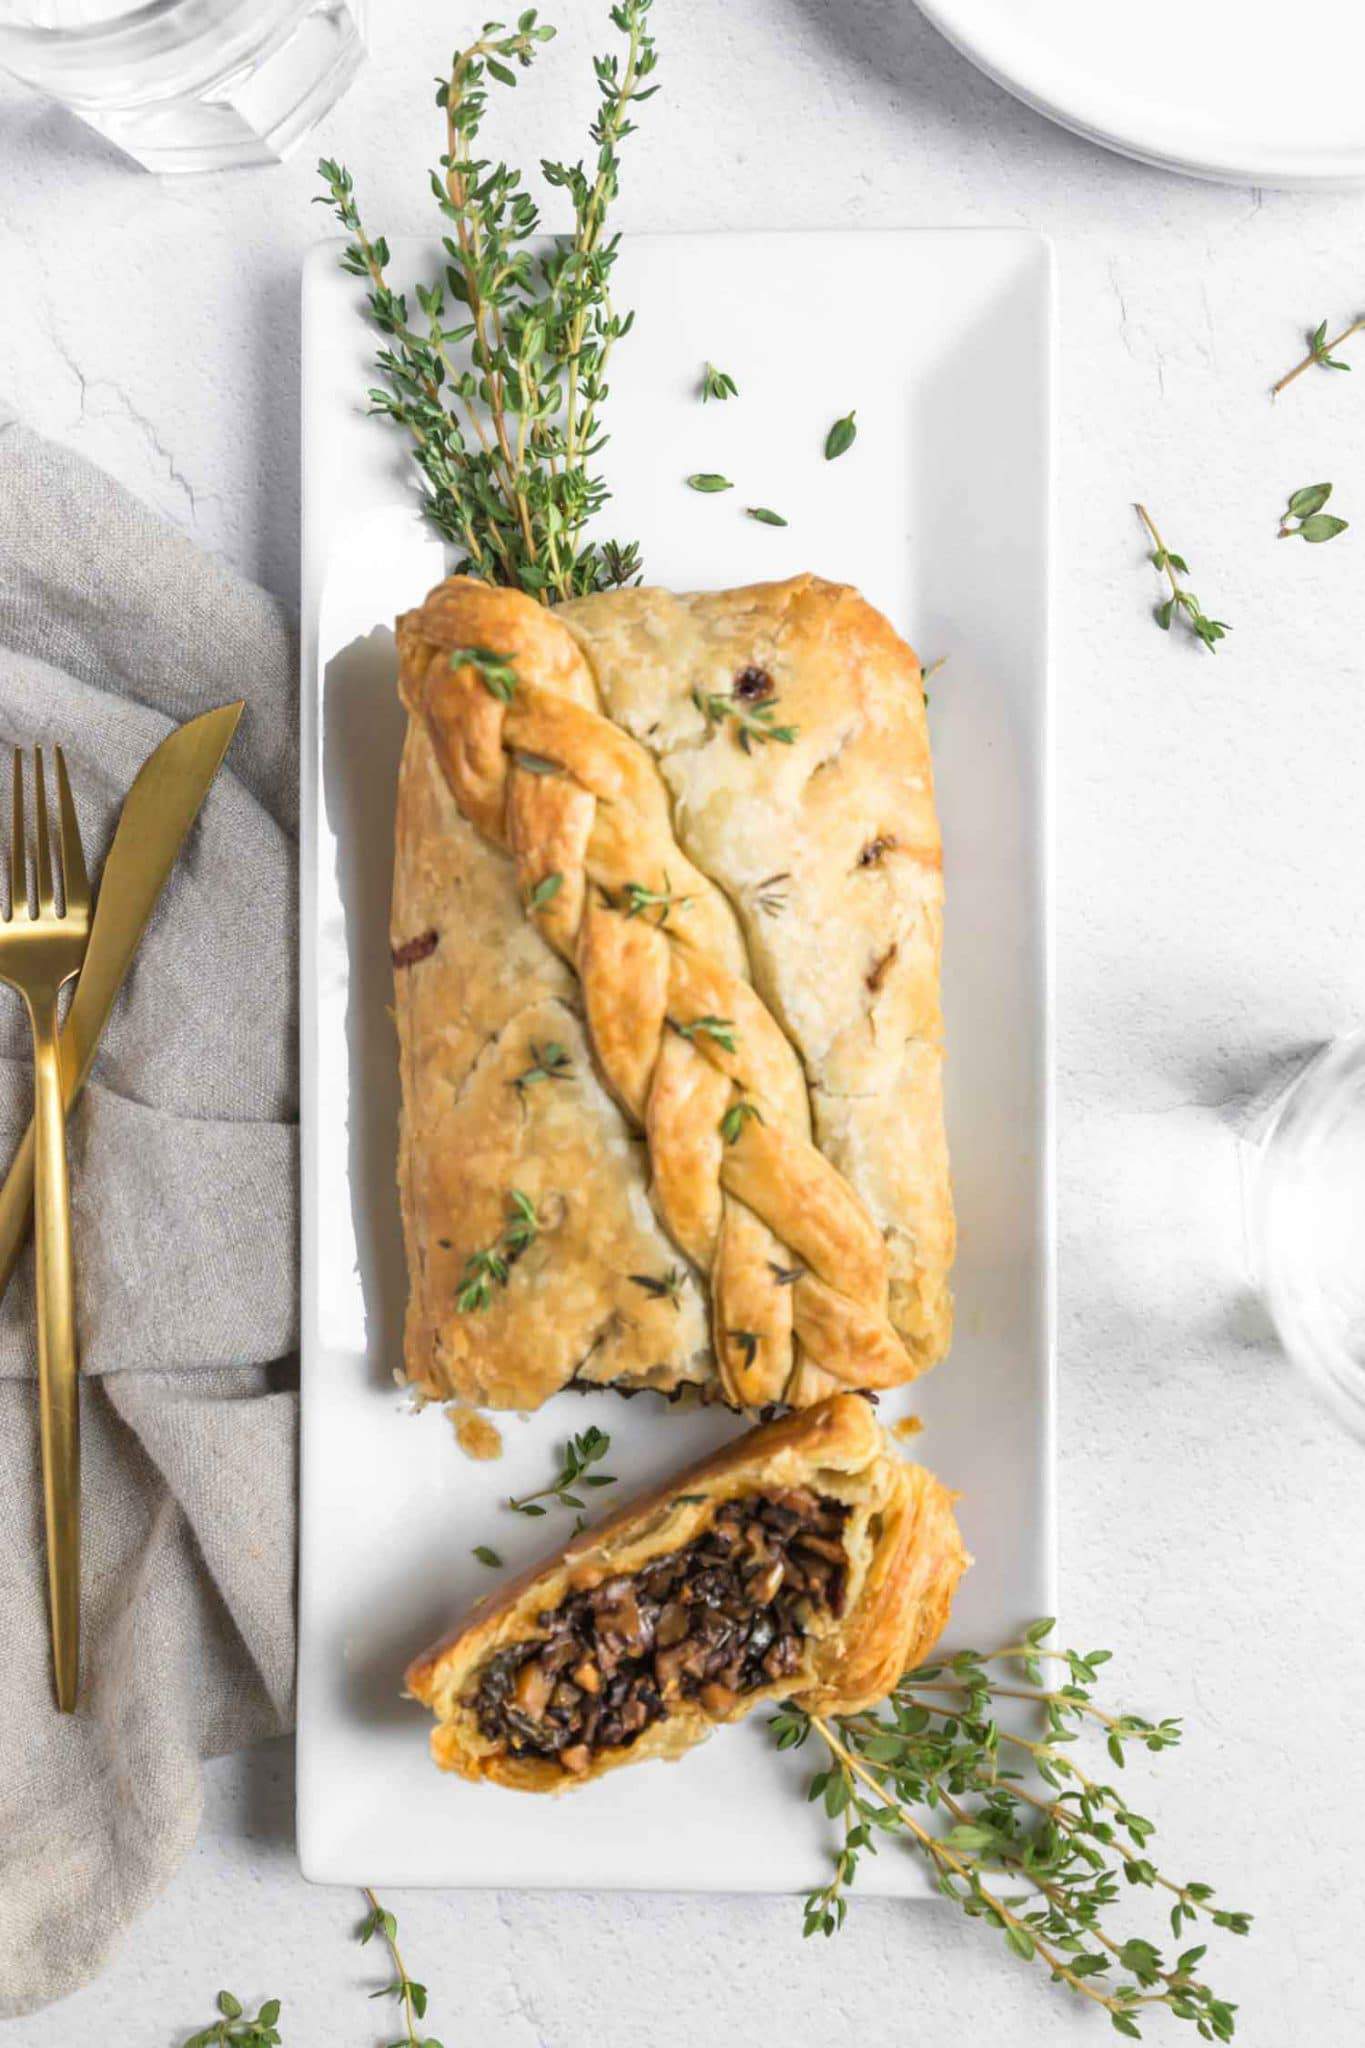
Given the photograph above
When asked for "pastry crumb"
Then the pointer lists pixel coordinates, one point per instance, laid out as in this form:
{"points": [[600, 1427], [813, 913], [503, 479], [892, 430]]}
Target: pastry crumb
{"points": [[474, 1433], [909, 1425]]}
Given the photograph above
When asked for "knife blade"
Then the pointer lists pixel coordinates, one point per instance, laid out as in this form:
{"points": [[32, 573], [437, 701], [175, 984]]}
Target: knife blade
{"points": [[157, 813]]}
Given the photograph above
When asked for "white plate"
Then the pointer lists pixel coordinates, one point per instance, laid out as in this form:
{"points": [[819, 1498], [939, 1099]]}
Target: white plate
{"points": [[941, 513], [1239, 90]]}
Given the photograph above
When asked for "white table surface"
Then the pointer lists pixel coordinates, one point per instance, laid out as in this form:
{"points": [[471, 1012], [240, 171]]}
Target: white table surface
{"points": [[1208, 922]]}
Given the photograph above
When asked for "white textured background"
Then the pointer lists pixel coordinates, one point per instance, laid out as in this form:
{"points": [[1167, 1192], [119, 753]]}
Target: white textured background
{"points": [[1209, 885]]}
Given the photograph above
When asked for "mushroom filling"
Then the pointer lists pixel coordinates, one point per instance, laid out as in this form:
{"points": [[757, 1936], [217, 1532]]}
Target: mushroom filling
{"points": [[717, 1619]]}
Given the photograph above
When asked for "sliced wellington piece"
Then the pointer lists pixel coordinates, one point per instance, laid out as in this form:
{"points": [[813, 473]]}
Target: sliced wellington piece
{"points": [[666, 930], [806, 1561]]}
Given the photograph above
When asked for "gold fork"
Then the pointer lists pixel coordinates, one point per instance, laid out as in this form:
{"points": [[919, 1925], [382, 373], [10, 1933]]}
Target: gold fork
{"points": [[39, 954]]}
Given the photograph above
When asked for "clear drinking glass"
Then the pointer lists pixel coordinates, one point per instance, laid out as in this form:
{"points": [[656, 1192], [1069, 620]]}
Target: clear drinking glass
{"points": [[1307, 1221], [189, 85]]}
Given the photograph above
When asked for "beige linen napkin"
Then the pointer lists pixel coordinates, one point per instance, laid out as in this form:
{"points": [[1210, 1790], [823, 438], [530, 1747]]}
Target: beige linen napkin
{"points": [[113, 628]]}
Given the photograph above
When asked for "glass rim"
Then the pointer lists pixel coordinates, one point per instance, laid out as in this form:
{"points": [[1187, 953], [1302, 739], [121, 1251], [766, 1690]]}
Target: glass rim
{"points": [[154, 30], [1337, 1375]]}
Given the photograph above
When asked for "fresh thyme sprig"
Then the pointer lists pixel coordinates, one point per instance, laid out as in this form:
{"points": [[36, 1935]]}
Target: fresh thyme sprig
{"points": [[1173, 566], [1319, 353], [1304, 519], [549, 1062], [639, 899], [753, 721], [717, 384], [485, 1270], [1021, 1805], [411, 1995], [500, 384], [235, 2028], [580, 1452]]}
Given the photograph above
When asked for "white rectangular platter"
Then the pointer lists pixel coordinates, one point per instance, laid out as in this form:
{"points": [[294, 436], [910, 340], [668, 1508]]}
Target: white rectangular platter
{"points": [[940, 513]]}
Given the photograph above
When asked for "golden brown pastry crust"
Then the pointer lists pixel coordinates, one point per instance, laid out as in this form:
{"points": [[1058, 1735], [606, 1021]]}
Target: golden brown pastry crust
{"points": [[905, 1559], [802, 896]]}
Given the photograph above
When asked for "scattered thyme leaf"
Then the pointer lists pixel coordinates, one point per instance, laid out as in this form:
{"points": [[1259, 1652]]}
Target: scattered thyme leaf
{"points": [[579, 1453], [753, 719], [411, 1995], [1319, 353], [487, 1555], [770, 896], [498, 373], [498, 676], [545, 891], [1060, 1845], [668, 1288], [721, 1029], [747, 1341], [235, 2028], [707, 480], [1182, 600], [639, 900], [549, 1062], [490, 1268], [765, 515], [736, 1116], [717, 384], [1305, 519], [841, 437]]}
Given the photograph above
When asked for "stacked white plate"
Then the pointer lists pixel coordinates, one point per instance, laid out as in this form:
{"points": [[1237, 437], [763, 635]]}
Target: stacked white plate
{"points": [[1246, 91]]}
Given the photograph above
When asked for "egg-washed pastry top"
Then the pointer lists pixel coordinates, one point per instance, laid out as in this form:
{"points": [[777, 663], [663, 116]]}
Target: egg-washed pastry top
{"points": [[666, 930]]}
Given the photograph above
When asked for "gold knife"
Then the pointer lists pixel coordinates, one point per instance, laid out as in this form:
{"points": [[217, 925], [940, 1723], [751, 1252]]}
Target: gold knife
{"points": [[157, 814]]}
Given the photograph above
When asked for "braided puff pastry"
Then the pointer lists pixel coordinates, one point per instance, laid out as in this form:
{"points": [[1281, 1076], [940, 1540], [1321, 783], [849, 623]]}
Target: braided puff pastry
{"points": [[806, 1561], [666, 933]]}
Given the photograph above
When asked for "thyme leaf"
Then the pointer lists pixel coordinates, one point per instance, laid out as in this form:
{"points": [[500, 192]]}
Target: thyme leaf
{"points": [[1305, 519], [490, 1268], [841, 437], [754, 724], [549, 1062], [764, 515], [736, 1116], [707, 480], [411, 1995], [235, 2028], [639, 900], [1020, 1806], [579, 1453], [717, 384], [544, 891], [721, 1029], [668, 1288], [497, 676], [1208, 631], [1319, 353], [498, 374]]}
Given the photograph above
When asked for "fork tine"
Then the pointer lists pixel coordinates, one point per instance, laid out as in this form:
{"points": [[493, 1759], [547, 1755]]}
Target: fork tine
{"points": [[46, 903], [75, 881], [18, 845]]}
